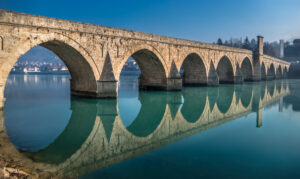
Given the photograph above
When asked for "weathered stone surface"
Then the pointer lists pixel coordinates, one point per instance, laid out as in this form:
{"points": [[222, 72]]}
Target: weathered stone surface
{"points": [[95, 55]]}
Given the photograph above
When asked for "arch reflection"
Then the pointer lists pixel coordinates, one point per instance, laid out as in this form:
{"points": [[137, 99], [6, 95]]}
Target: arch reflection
{"points": [[153, 105], [194, 103], [244, 93], [75, 134], [96, 137], [225, 97]]}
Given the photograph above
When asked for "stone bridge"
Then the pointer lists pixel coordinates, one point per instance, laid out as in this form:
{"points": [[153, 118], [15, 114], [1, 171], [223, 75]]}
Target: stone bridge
{"points": [[104, 140], [95, 56]]}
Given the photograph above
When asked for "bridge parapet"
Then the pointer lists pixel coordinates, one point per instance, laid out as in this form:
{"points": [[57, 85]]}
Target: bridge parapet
{"points": [[22, 19], [277, 60]]}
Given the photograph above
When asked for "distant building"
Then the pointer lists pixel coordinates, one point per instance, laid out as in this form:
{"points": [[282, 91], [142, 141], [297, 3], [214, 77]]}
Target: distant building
{"points": [[296, 42], [64, 68]]}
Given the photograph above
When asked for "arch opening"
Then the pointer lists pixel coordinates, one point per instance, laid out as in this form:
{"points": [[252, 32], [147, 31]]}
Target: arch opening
{"points": [[271, 72], [39, 87], [82, 76], [225, 71], [148, 69], [247, 70], [193, 71]]}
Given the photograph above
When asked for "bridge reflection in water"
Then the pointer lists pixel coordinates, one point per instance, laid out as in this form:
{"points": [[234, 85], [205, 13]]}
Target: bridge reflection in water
{"points": [[96, 136]]}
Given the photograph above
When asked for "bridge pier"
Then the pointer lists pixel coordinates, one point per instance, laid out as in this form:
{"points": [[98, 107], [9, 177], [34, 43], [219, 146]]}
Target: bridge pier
{"points": [[213, 78], [169, 84], [174, 84], [2, 128], [2, 104], [105, 89], [213, 81], [270, 77], [280, 106], [2, 99], [258, 57], [238, 78], [278, 76], [259, 118], [257, 72]]}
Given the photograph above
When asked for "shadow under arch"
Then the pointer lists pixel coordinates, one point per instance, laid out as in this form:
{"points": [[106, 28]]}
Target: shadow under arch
{"points": [[263, 71], [271, 72], [82, 75], [84, 112], [153, 107], [194, 71], [225, 70], [225, 97], [194, 103], [246, 69], [153, 73]]}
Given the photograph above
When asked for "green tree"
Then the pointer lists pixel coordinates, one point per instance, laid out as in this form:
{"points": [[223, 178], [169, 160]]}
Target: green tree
{"points": [[219, 42], [246, 44]]}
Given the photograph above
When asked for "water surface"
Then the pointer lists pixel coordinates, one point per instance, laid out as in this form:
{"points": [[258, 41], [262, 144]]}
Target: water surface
{"points": [[249, 130]]}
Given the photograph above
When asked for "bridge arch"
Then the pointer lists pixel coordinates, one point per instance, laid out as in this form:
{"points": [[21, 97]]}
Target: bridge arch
{"points": [[194, 70], [152, 66], [225, 70], [81, 65], [263, 71], [246, 69], [271, 72]]}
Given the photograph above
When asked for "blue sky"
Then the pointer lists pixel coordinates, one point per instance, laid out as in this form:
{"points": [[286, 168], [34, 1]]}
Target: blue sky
{"points": [[201, 20]]}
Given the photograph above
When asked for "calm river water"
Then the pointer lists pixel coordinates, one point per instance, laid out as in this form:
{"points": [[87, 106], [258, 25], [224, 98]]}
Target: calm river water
{"points": [[231, 131]]}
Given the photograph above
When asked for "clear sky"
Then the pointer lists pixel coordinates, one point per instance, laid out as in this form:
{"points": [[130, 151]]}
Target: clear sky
{"points": [[201, 20]]}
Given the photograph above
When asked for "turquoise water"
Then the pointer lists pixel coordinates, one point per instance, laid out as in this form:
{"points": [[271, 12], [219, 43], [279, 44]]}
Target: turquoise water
{"points": [[230, 131]]}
